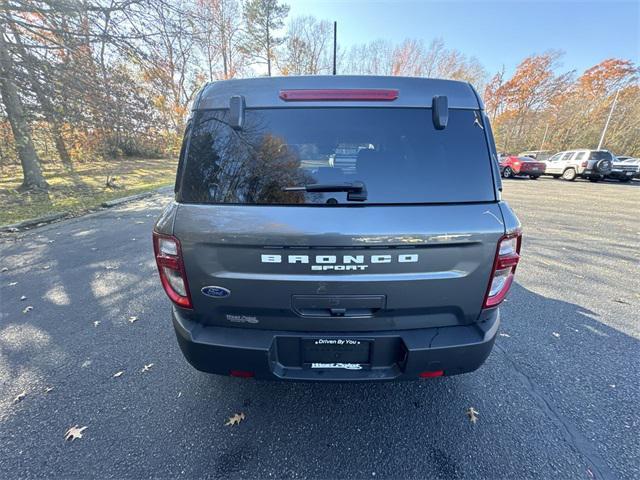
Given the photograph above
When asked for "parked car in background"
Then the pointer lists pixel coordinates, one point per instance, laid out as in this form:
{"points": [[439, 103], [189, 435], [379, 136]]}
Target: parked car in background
{"points": [[512, 166], [593, 165], [540, 155], [624, 169]]}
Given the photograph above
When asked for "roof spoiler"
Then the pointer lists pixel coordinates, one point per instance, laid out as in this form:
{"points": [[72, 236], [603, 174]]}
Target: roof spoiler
{"points": [[440, 107], [236, 112]]}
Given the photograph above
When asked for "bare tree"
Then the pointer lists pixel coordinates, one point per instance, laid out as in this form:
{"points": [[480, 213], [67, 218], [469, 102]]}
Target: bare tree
{"points": [[306, 50], [31, 169], [218, 36]]}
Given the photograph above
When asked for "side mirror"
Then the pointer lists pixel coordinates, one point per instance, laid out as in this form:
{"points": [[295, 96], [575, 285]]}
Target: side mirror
{"points": [[236, 112], [440, 107]]}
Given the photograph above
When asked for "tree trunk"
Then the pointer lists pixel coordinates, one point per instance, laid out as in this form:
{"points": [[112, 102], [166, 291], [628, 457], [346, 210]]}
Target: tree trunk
{"points": [[44, 101], [31, 169], [268, 51]]}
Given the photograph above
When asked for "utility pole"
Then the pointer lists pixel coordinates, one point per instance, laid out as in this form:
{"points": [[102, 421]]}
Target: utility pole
{"points": [[606, 125], [335, 45], [544, 138]]}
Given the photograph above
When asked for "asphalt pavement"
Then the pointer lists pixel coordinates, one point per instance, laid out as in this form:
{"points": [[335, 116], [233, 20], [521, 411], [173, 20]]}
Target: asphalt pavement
{"points": [[558, 398]]}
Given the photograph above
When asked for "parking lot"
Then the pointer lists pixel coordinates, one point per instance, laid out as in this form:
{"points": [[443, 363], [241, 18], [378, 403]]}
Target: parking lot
{"points": [[558, 397]]}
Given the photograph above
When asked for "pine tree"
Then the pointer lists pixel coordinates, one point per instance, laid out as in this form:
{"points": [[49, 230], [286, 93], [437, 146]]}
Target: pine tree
{"points": [[262, 19]]}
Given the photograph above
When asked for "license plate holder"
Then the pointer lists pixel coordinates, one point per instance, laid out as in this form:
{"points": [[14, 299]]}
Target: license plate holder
{"points": [[335, 351]]}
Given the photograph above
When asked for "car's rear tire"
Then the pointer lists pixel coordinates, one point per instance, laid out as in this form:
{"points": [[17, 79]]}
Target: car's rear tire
{"points": [[507, 173], [534, 177], [569, 175], [624, 180], [594, 179]]}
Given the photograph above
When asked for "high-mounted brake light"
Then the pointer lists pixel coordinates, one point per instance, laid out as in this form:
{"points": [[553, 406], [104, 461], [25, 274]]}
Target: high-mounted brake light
{"points": [[504, 268], [362, 94], [171, 269]]}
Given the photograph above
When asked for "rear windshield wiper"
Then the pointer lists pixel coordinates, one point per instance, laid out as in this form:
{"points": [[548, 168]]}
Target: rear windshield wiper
{"points": [[356, 191]]}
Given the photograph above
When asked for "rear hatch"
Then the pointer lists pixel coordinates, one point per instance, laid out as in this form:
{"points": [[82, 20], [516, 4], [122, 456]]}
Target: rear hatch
{"points": [[413, 249]]}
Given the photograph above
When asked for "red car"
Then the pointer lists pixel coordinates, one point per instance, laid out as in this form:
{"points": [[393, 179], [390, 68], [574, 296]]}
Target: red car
{"points": [[511, 166]]}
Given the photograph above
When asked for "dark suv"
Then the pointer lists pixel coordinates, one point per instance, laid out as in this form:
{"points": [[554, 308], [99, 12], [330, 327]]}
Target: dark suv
{"points": [[321, 230]]}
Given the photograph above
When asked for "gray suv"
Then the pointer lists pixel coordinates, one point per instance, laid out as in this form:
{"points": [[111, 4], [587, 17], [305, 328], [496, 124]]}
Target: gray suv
{"points": [[321, 230]]}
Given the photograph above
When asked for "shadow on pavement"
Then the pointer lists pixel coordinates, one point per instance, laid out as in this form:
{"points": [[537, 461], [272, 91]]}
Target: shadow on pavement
{"points": [[547, 407]]}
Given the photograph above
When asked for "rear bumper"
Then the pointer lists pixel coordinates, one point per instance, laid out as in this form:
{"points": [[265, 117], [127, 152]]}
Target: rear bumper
{"points": [[592, 174], [528, 171], [621, 174], [395, 355]]}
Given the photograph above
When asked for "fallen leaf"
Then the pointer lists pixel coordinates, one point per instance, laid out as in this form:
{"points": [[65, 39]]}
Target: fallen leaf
{"points": [[27, 309], [139, 222], [618, 300], [235, 420], [505, 335], [4, 269], [93, 249], [179, 394], [132, 319], [23, 297], [86, 363], [74, 432], [48, 389], [13, 284], [96, 323], [473, 414], [46, 267], [555, 334], [20, 396], [147, 368], [118, 374]]}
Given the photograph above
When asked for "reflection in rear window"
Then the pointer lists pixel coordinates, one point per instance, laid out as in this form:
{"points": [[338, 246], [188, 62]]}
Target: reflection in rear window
{"points": [[396, 152]]}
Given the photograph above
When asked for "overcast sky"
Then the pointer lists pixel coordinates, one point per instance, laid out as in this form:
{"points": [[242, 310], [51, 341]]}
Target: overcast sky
{"points": [[497, 33]]}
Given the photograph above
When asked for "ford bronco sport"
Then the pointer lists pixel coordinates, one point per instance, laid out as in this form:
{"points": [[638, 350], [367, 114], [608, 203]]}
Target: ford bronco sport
{"points": [[321, 231]]}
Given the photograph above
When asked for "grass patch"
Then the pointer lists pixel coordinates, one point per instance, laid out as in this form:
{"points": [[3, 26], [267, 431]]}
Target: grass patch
{"points": [[84, 189]]}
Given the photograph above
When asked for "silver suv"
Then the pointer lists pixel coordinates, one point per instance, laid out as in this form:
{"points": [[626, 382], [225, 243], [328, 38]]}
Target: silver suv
{"points": [[591, 164], [321, 230]]}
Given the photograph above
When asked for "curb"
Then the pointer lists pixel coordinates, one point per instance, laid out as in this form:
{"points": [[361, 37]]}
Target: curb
{"points": [[120, 201], [25, 224], [14, 227]]}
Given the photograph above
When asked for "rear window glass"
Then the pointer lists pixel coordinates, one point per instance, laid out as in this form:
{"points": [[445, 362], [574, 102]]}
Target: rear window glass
{"points": [[396, 152], [600, 156]]}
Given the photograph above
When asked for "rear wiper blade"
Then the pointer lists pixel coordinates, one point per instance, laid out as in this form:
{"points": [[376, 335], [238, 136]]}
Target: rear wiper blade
{"points": [[355, 190]]}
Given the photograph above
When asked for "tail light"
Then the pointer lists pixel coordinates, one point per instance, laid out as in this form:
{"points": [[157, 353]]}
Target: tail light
{"points": [[504, 268], [431, 374], [171, 269]]}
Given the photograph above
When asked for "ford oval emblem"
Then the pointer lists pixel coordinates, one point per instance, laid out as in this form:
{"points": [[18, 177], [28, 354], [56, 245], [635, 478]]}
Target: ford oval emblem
{"points": [[215, 292]]}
